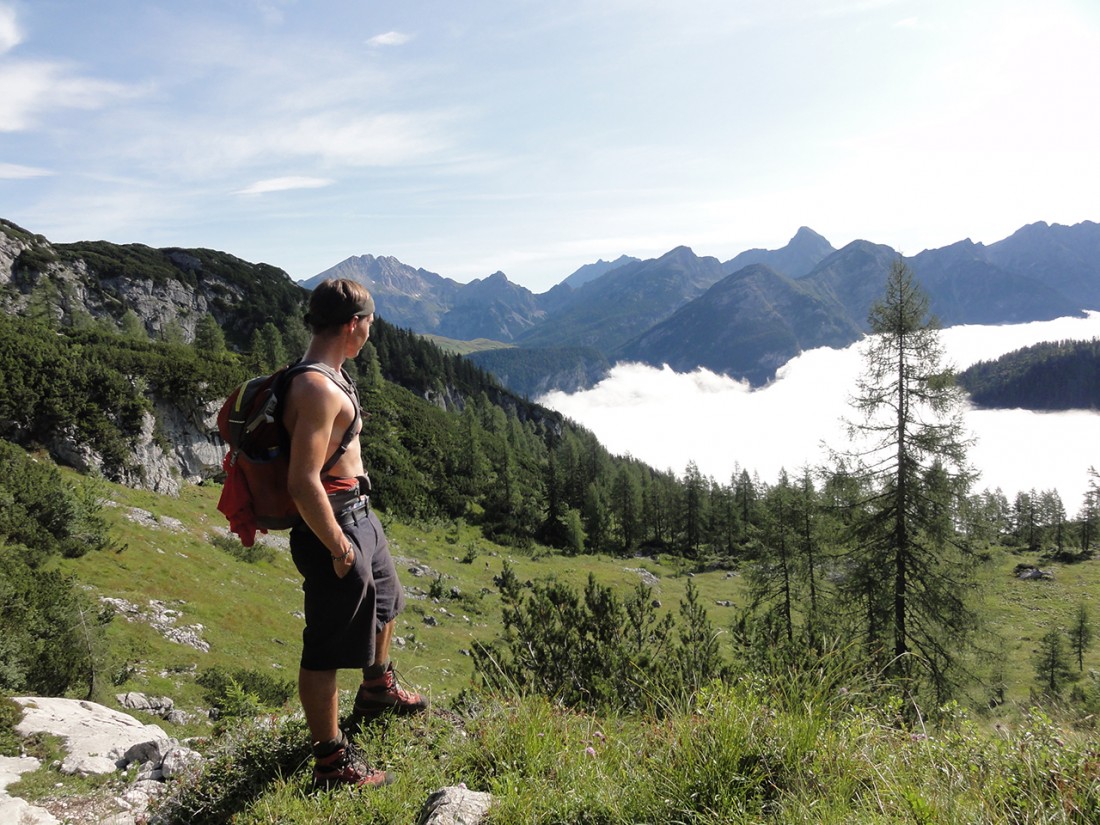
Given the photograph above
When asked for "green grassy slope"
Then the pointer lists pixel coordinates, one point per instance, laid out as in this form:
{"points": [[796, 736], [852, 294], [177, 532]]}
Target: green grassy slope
{"points": [[251, 612]]}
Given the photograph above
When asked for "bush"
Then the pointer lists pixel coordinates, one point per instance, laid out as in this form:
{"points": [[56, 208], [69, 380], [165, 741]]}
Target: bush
{"points": [[243, 764], [44, 513], [230, 690], [589, 650], [10, 714], [49, 629]]}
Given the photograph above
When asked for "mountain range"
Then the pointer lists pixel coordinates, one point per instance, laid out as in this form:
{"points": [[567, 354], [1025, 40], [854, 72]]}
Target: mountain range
{"points": [[744, 317]]}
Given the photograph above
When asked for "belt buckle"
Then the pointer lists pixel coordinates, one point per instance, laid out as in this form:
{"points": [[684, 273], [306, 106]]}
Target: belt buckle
{"points": [[361, 504]]}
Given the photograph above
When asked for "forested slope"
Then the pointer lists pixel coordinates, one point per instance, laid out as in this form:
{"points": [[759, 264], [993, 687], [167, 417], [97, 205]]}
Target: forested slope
{"points": [[1058, 375]]}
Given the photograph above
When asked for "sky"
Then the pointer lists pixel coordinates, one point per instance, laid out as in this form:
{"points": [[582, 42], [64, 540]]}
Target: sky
{"points": [[535, 137], [667, 419]]}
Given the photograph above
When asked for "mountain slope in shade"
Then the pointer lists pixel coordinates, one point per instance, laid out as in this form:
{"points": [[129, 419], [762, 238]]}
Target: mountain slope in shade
{"points": [[747, 325], [1064, 258], [611, 310], [403, 295], [590, 272], [965, 287]]}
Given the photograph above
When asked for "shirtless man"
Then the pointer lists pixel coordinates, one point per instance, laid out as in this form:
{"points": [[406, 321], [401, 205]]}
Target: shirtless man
{"points": [[352, 594]]}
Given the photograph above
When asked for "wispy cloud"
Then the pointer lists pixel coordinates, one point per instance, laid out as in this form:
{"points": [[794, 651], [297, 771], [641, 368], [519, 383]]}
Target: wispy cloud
{"points": [[15, 171], [33, 89], [10, 34], [263, 187], [390, 39]]}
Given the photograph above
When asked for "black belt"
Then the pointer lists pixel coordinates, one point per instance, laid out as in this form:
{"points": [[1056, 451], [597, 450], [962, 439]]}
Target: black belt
{"points": [[353, 513]]}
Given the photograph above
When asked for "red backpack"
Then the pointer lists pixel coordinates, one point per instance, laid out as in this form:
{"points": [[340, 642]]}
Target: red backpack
{"points": [[255, 495]]}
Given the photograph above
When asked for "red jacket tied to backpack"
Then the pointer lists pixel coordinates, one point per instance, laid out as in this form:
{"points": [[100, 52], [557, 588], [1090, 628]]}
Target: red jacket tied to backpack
{"points": [[255, 496]]}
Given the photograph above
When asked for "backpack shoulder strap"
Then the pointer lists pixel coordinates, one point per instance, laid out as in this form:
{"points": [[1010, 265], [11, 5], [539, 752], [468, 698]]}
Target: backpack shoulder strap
{"points": [[344, 382]]}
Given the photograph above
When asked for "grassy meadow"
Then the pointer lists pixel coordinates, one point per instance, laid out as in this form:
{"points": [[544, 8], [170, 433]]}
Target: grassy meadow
{"points": [[779, 748]]}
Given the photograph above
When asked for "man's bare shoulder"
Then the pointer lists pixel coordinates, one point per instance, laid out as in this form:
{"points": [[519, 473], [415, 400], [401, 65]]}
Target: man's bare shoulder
{"points": [[314, 396]]}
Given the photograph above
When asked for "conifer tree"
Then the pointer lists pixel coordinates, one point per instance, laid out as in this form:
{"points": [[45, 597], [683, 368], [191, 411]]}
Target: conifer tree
{"points": [[1052, 663], [209, 337], [910, 570], [1080, 635]]}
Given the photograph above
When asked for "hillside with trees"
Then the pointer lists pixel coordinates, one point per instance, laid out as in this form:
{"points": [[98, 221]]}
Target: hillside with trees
{"points": [[1055, 375]]}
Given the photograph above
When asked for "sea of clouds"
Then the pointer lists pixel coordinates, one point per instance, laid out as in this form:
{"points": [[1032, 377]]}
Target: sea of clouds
{"points": [[667, 419]]}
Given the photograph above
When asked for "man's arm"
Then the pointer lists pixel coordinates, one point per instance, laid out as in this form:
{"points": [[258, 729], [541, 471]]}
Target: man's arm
{"points": [[316, 403]]}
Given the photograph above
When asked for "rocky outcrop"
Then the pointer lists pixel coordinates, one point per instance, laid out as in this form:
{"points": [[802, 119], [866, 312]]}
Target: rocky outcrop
{"points": [[95, 737], [193, 453], [97, 741], [101, 741]]}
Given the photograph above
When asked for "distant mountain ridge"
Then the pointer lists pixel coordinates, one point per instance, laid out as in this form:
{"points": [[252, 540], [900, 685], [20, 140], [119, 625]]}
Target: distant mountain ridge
{"points": [[744, 317]]}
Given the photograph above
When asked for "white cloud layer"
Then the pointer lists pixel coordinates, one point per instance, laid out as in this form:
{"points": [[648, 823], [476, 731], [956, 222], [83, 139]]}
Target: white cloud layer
{"points": [[668, 419]]}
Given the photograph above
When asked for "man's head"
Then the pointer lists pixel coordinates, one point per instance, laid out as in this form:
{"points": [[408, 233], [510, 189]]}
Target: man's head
{"points": [[335, 302]]}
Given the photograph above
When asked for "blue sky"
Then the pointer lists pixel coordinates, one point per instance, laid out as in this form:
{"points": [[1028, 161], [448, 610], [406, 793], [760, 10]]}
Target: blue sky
{"points": [[535, 137]]}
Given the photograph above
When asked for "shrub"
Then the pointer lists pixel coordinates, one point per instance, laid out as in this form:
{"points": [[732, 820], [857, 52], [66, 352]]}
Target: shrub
{"points": [[10, 714], [229, 690], [49, 629]]}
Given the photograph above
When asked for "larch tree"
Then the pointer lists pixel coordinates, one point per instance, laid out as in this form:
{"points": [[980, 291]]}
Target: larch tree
{"points": [[909, 570]]}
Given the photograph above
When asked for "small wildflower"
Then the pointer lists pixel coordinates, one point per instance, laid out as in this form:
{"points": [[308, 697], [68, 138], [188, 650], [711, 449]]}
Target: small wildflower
{"points": [[591, 751], [599, 735]]}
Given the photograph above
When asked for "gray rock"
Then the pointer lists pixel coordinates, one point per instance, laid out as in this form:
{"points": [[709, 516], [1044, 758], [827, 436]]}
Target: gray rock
{"points": [[151, 751], [455, 805], [12, 808], [178, 760], [90, 731]]}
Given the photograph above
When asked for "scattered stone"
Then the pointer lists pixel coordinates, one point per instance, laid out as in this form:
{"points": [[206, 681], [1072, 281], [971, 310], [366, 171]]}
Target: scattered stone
{"points": [[154, 522], [724, 603], [159, 705], [456, 805], [162, 619], [431, 621], [1031, 572]]}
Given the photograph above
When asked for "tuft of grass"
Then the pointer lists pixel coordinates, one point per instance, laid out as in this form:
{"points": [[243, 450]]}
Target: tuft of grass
{"points": [[250, 555]]}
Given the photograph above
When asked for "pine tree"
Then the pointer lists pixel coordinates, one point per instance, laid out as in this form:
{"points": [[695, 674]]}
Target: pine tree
{"points": [[209, 337], [1080, 635], [910, 570], [1052, 663]]}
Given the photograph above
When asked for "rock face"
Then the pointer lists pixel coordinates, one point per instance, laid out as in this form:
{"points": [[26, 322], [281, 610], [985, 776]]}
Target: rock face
{"points": [[176, 442]]}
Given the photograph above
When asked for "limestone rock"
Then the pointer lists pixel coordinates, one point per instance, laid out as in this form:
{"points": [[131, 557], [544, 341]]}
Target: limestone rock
{"points": [[456, 805], [91, 732], [16, 810]]}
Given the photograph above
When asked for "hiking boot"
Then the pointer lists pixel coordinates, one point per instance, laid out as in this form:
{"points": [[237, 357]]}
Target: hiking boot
{"points": [[382, 695], [345, 766]]}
